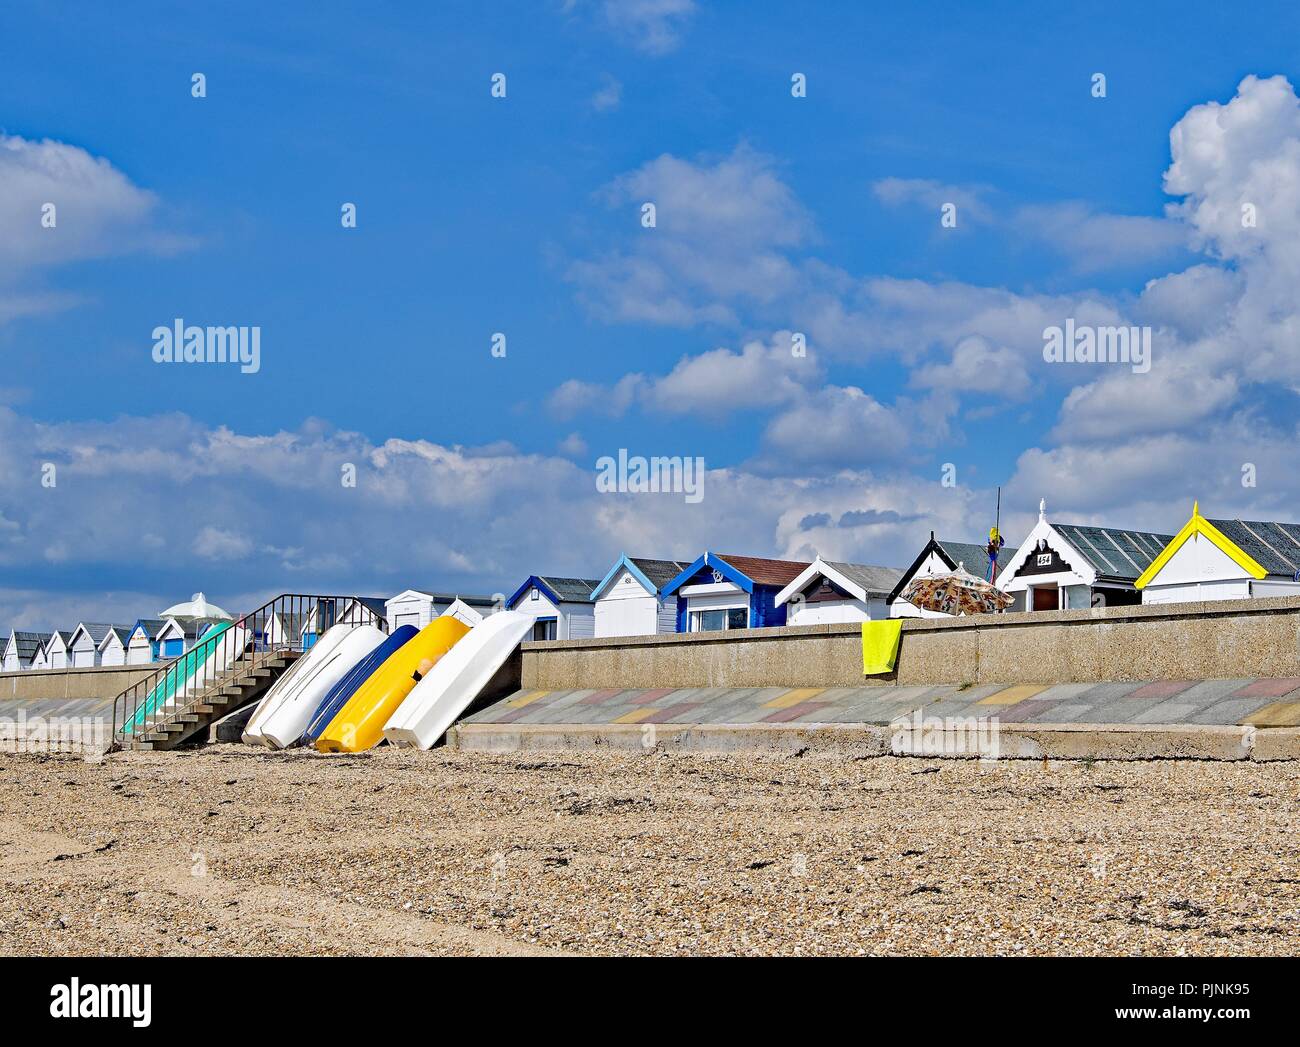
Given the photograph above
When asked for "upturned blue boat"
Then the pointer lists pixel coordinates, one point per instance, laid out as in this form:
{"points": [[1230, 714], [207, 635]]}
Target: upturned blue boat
{"points": [[343, 690]]}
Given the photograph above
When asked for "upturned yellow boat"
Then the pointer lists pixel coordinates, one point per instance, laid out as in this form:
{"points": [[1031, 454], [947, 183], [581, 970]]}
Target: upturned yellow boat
{"points": [[359, 725]]}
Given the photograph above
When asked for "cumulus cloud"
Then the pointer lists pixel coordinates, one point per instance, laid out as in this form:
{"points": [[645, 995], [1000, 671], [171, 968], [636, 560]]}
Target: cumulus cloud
{"points": [[842, 427], [58, 205], [652, 26], [977, 367], [713, 383], [216, 543], [1121, 404], [242, 515], [721, 229]]}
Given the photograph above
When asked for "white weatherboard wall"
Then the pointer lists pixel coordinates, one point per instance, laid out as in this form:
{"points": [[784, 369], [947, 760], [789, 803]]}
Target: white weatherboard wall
{"points": [[113, 653], [625, 608], [140, 651], [1200, 570], [58, 656], [573, 621], [410, 608], [83, 653], [830, 612]]}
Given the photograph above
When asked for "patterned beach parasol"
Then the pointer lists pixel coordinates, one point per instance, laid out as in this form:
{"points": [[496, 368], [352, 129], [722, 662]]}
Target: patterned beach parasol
{"points": [[957, 592]]}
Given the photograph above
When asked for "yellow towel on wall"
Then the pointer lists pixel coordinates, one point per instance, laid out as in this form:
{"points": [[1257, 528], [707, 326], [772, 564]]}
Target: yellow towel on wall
{"points": [[880, 645]]}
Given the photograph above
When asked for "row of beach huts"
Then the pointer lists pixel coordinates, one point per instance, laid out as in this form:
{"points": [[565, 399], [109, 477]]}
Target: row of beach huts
{"points": [[1057, 566]]}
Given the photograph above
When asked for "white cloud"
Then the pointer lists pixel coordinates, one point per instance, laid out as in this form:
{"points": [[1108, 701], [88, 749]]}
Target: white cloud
{"points": [[933, 195], [977, 367], [840, 427], [608, 96], [573, 446], [96, 212], [721, 231], [242, 516], [652, 26], [215, 543], [1174, 395], [710, 384], [1092, 241]]}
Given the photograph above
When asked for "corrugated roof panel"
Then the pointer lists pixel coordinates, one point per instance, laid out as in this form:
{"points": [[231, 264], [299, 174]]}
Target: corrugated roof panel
{"points": [[765, 571], [1115, 551], [878, 580], [576, 589], [659, 572]]}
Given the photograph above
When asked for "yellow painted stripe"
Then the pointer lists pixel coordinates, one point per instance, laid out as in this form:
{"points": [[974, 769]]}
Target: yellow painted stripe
{"points": [[1279, 714], [799, 694], [637, 715], [1012, 695], [527, 699]]}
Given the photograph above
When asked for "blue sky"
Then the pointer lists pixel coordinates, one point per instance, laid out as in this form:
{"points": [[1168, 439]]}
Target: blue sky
{"points": [[521, 215]]}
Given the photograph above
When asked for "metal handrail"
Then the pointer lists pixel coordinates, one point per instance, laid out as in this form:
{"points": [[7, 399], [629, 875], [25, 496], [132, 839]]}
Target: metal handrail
{"points": [[229, 650]]}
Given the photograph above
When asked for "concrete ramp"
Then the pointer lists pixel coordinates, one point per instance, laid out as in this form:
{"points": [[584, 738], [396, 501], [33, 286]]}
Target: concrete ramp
{"points": [[1200, 719]]}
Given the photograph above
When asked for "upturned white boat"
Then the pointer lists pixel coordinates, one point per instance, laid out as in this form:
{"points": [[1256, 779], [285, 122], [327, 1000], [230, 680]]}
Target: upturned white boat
{"points": [[456, 680], [284, 724], [285, 687]]}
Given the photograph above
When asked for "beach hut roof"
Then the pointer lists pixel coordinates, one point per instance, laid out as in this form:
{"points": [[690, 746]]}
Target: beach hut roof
{"points": [[122, 632], [27, 643], [652, 574], [973, 556], [1259, 547], [1115, 553], [861, 581], [440, 596], [95, 630], [558, 589], [151, 627], [743, 571]]}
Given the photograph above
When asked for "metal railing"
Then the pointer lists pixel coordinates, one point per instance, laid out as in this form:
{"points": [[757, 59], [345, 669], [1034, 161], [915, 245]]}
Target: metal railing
{"points": [[225, 651]]}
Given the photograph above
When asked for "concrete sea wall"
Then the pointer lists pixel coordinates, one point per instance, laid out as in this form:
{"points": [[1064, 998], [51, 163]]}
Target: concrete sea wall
{"points": [[1216, 640], [45, 684]]}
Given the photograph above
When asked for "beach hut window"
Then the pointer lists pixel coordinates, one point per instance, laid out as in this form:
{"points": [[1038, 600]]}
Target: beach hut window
{"points": [[544, 629], [718, 619]]}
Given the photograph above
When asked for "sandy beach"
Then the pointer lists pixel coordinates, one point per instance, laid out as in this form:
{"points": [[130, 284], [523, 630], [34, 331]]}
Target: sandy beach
{"points": [[233, 850]]}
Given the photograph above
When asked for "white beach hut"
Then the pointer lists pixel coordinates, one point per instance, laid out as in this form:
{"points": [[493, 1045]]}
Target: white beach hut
{"points": [[1070, 566], [142, 648], [940, 557], [20, 649], [1225, 560], [627, 600], [828, 591], [83, 650], [418, 607], [112, 648], [563, 607], [41, 660], [57, 650]]}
